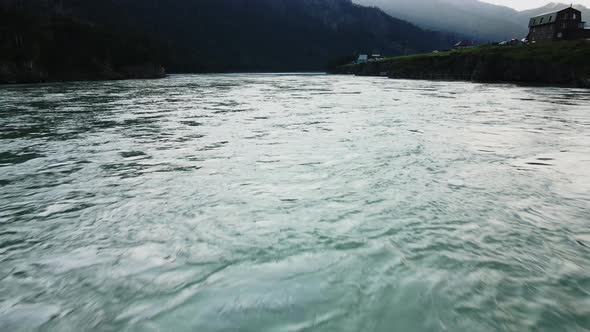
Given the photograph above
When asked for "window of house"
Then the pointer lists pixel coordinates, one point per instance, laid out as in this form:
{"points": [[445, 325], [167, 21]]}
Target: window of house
{"points": [[542, 20], [565, 16], [574, 16], [563, 26], [559, 35]]}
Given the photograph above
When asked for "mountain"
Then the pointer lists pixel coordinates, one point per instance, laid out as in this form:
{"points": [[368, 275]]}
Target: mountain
{"points": [[249, 35], [478, 20]]}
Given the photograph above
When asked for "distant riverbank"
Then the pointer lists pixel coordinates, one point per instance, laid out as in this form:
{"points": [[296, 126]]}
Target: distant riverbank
{"points": [[31, 72], [563, 63]]}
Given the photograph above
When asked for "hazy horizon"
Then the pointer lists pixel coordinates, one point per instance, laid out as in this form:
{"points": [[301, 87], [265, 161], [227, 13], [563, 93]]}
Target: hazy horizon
{"points": [[529, 4]]}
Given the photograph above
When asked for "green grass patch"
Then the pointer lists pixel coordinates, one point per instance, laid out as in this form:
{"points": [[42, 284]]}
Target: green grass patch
{"points": [[568, 52]]}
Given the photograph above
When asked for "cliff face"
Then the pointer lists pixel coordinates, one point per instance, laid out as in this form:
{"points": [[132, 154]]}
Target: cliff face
{"points": [[561, 63]]}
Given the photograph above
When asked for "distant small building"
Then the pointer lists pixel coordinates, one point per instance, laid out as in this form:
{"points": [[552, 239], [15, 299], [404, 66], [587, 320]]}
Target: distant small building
{"points": [[513, 42], [362, 58], [565, 24], [365, 58], [464, 44]]}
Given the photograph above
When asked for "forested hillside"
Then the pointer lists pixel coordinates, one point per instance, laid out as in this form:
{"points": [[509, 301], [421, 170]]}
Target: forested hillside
{"points": [[37, 46], [217, 35]]}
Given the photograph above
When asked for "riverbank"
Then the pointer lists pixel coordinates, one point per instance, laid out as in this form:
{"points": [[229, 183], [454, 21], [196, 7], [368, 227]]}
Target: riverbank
{"points": [[561, 63], [29, 71]]}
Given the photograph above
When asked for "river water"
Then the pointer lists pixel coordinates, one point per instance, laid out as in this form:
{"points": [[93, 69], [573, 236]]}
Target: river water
{"points": [[294, 203]]}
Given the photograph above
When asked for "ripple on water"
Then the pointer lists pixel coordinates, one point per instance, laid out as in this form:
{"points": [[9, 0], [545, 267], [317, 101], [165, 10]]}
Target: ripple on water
{"points": [[27, 316], [217, 202]]}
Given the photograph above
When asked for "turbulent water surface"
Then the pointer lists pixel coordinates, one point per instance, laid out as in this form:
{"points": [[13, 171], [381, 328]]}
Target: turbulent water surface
{"points": [[294, 203]]}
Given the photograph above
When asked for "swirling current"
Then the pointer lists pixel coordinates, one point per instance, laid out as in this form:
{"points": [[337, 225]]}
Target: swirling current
{"points": [[294, 202]]}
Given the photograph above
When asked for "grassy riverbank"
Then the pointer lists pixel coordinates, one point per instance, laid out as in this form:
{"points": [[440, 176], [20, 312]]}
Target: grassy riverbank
{"points": [[550, 63]]}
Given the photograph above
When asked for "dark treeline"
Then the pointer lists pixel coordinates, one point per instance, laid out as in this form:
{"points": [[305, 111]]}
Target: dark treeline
{"points": [[203, 35], [38, 46]]}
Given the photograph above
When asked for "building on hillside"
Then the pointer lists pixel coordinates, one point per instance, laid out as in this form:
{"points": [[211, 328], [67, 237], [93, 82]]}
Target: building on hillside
{"points": [[464, 44], [565, 24], [362, 59], [512, 42], [365, 58]]}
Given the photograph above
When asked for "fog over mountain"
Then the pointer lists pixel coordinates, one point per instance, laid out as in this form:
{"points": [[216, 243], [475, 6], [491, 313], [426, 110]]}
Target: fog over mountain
{"points": [[478, 20], [529, 4]]}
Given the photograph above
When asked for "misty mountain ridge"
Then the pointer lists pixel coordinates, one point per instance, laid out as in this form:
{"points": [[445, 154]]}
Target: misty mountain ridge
{"points": [[480, 21], [524, 16]]}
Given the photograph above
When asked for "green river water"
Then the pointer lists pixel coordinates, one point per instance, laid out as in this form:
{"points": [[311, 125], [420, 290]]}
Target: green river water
{"points": [[306, 202]]}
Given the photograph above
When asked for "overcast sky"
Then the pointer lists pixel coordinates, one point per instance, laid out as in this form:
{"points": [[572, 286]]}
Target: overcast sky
{"points": [[527, 4]]}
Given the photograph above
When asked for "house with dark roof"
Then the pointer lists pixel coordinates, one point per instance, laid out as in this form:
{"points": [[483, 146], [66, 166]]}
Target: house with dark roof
{"points": [[464, 44], [565, 24]]}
